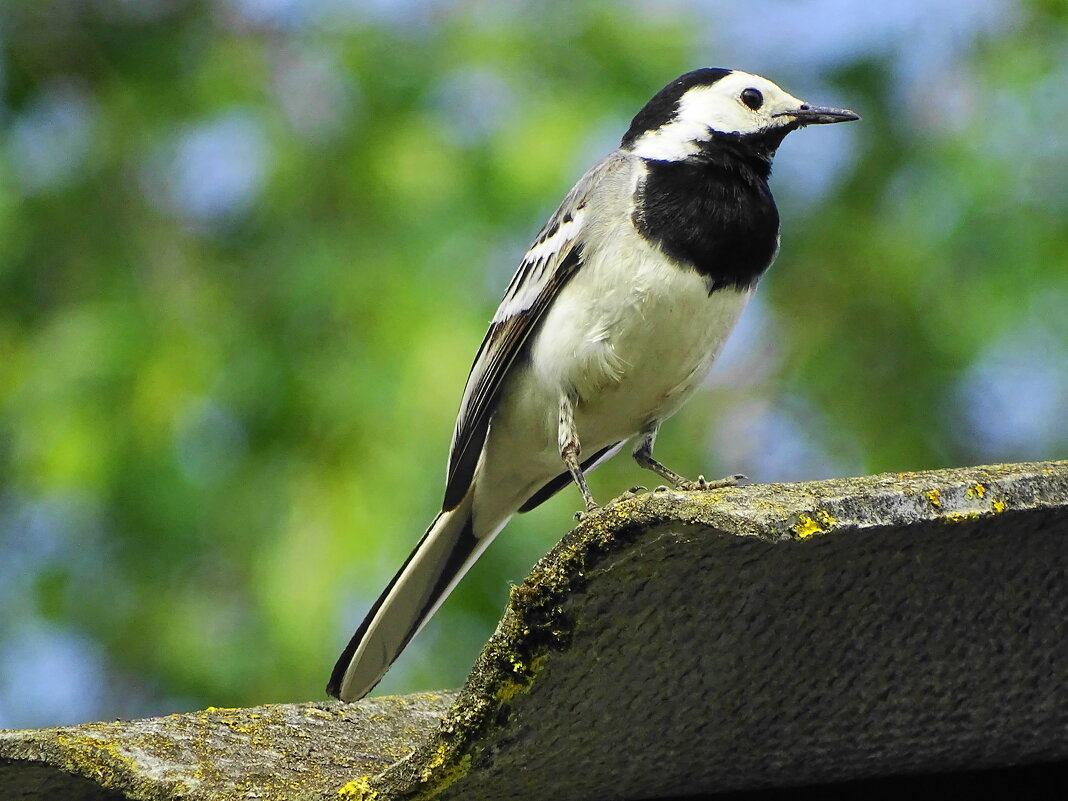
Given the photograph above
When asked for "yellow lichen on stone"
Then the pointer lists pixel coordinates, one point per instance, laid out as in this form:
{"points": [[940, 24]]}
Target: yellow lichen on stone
{"points": [[435, 762], [935, 497], [826, 519], [998, 506], [358, 790], [806, 527], [961, 517], [509, 690], [978, 491], [87, 764], [447, 778]]}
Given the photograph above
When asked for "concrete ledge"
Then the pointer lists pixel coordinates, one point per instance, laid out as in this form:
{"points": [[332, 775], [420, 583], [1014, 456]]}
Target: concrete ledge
{"points": [[291, 751], [682, 643]]}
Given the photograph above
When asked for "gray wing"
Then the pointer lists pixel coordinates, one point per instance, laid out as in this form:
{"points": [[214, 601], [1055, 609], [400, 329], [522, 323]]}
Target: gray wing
{"points": [[548, 265]]}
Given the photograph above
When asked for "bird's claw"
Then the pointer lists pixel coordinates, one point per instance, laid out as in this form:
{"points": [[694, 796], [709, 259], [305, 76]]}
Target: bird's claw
{"points": [[703, 484], [580, 515]]}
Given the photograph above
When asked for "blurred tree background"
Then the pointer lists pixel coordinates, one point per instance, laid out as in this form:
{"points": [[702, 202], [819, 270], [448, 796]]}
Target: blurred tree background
{"points": [[248, 249]]}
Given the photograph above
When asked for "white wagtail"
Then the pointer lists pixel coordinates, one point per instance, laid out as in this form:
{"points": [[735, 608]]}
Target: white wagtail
{"points": [[613, 318]]}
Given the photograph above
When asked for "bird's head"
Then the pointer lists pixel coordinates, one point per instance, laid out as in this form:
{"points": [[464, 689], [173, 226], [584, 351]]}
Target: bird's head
{"points": [[706, 108]]}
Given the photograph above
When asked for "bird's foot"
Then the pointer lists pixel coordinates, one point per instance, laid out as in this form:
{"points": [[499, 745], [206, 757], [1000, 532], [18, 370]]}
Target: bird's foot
{"points": [[626, 496], [704, 484], [590, 509]]}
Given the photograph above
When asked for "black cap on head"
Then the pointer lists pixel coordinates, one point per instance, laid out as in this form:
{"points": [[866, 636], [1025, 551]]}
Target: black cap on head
{"points": [[663, 105]]}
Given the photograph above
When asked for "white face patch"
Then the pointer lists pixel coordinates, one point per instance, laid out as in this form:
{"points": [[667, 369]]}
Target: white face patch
{"points": [[720, 108]]}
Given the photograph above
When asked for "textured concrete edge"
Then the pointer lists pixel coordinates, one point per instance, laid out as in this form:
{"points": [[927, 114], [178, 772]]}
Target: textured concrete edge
{"points": [[220, 753], [534, 625], [126, 756]]}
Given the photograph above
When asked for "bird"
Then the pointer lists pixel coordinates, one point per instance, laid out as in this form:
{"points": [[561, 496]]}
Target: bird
{"points": [[611, 321]]}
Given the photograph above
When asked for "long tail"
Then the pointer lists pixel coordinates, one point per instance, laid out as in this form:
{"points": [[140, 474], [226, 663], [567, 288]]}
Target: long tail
{"points": [[448, 548]]}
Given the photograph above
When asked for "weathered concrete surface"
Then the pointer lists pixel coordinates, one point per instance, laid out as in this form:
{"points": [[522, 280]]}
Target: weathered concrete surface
{"points": [[679, 643], [291, 751], [773, 635]]}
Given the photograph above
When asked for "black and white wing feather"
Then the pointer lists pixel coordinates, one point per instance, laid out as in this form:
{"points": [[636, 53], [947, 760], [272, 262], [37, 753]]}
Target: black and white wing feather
{"points": [[548, 265]]}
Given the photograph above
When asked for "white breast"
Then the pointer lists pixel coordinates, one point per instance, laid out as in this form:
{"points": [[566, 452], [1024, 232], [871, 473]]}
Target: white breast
{"points": [[633, 334]]}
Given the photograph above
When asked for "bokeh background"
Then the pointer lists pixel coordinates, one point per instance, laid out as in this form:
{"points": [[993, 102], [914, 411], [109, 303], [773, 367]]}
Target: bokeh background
{"points": [[248, 249]]}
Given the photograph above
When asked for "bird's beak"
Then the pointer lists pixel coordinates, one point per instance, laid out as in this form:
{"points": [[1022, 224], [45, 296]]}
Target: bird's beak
{"points": [[819, 115]]}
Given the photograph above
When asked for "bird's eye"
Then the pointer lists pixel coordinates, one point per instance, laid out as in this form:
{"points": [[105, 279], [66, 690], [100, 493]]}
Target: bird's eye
{"points": [[753, 98]]}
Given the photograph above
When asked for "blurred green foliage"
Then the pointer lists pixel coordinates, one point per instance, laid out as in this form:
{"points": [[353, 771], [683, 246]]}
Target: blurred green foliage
{"points": [[248, 249]]}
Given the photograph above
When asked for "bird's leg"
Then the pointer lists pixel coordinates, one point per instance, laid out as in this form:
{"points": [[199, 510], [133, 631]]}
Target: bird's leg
{"points": [[643, 455], [570, 447]]}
